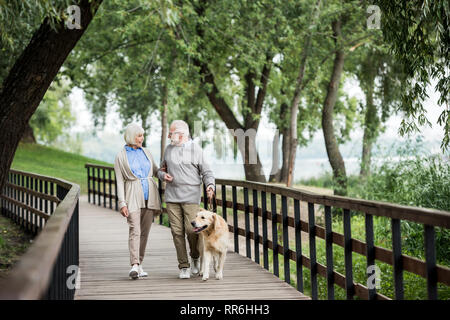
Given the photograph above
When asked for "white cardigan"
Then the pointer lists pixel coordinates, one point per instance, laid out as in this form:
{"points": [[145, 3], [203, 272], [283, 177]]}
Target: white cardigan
{"points": [[129, 187]]}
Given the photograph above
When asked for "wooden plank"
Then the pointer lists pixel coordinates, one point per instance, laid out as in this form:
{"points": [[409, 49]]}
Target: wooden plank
{"points": [[104, 266]]}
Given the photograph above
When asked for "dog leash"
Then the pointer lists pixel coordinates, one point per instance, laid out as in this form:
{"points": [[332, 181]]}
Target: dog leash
{"points": [[212, 205]]}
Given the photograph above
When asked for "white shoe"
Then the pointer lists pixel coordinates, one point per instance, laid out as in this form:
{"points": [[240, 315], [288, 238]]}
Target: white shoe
{"points": [[134, 272], [195, 266], [142, 273], [185, 273]]}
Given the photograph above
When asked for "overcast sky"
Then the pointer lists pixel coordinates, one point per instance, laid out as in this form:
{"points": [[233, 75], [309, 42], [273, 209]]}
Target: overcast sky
{"points": [[109, 140]]}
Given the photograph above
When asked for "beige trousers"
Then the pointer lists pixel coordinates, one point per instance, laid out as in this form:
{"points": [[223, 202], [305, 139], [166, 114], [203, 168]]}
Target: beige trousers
{"points": [[139, 223], [180, 217]]}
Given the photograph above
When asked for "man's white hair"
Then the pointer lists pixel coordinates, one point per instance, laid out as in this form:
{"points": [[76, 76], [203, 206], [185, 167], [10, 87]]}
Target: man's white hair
{"points": [[180, 126], [131, 131]]}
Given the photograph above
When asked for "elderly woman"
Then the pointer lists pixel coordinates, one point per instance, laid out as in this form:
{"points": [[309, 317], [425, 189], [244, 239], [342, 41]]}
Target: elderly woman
{"points": [[138, 194]]}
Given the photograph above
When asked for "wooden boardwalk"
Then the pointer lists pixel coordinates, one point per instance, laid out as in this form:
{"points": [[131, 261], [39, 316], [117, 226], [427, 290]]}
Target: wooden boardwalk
{"points": [[104, 266]]}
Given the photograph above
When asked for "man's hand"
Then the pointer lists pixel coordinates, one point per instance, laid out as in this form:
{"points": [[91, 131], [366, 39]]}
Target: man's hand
{"points": [[210, 191], [168, 177], [124, 211]]}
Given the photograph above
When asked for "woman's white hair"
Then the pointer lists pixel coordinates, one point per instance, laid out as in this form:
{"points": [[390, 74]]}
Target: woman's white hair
{"points": [[181, 126], [131, 131]]}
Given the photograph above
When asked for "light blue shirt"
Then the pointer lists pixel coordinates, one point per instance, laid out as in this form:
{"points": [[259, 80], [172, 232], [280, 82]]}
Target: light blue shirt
{"points": [[140, 166]]}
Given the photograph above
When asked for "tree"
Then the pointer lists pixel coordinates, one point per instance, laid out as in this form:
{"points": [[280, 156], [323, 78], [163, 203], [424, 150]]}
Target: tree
{"points": [[53, 116], [299, 84], [249, 60], [31, 75], [334, 155], [348, 34], [133, 64], [381, 80], [418, 33]]}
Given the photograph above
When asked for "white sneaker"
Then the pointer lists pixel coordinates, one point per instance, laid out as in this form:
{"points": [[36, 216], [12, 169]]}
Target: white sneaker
{"points": [[195, 266], [134, 272], [142, 273], [185, 273]]}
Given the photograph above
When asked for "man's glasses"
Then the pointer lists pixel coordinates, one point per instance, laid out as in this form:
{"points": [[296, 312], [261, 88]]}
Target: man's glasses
{"points": [[175, 132]]}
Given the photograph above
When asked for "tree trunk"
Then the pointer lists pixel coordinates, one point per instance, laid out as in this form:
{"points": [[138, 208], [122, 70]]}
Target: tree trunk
{"points": [[253, 172], [275, 172], [280, 174], [164, 121], [28, 135], [334, 155], [285, 148], [144, 117], [296, 101], [30, 77], [370, 131]]}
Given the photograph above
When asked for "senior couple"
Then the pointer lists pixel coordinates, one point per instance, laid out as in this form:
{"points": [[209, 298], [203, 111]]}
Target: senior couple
{"points": [[183, 168]]}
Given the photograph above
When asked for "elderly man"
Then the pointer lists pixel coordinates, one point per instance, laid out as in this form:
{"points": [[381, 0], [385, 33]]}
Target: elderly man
{"points": [[183, 168]]}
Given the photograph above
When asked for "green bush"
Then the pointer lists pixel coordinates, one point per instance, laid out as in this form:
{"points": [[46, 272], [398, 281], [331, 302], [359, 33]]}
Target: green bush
{"points": [[422, 181], [409, 177]]}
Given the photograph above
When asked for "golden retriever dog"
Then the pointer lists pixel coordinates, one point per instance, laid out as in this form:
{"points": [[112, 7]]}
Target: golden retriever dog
{"points": [[213, 242]]}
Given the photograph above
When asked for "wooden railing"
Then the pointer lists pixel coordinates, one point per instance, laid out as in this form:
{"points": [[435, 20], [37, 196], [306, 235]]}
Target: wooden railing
{"points": [[259, 209], [47, 208]]}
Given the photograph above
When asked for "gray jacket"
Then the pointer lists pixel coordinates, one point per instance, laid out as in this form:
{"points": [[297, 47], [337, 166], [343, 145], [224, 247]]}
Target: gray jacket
{"points": [[188, 167]]}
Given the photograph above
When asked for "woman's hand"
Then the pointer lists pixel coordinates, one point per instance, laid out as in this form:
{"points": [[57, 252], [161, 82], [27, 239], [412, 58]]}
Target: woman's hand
{"points": [[124, 211], [168, 177]]}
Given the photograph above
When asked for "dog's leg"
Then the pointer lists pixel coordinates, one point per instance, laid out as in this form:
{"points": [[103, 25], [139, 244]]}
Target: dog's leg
{"points": [[221, 262], [215, 262], [201, 250], [206, 263], [201, 265]]}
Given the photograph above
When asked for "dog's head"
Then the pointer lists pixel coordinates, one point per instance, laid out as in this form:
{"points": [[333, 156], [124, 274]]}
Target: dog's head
{"points": [[203, 221]]}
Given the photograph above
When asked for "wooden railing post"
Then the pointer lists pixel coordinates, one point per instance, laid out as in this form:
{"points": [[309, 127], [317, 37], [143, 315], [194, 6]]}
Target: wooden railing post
{"points": [[264, 228], [235, 220], [224, 202], [247, 224], [312, 250], [273, 203], [298, 246], [329, 253], [397, 258], [284, 214], [348, 255], [370, 252], [255, 225]]}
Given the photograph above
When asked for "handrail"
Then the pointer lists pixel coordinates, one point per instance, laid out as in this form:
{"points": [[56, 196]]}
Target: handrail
{"points": [[36, 276], [430, 218], [438, 218]]}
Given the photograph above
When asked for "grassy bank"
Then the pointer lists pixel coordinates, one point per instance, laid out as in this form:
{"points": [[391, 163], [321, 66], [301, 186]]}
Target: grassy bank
{"points": [[53, 162], [13, 243]]}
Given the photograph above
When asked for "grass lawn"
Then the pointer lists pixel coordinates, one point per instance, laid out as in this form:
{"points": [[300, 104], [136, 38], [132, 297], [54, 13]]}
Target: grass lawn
{"points": [[13, 243], [53, 162]]}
